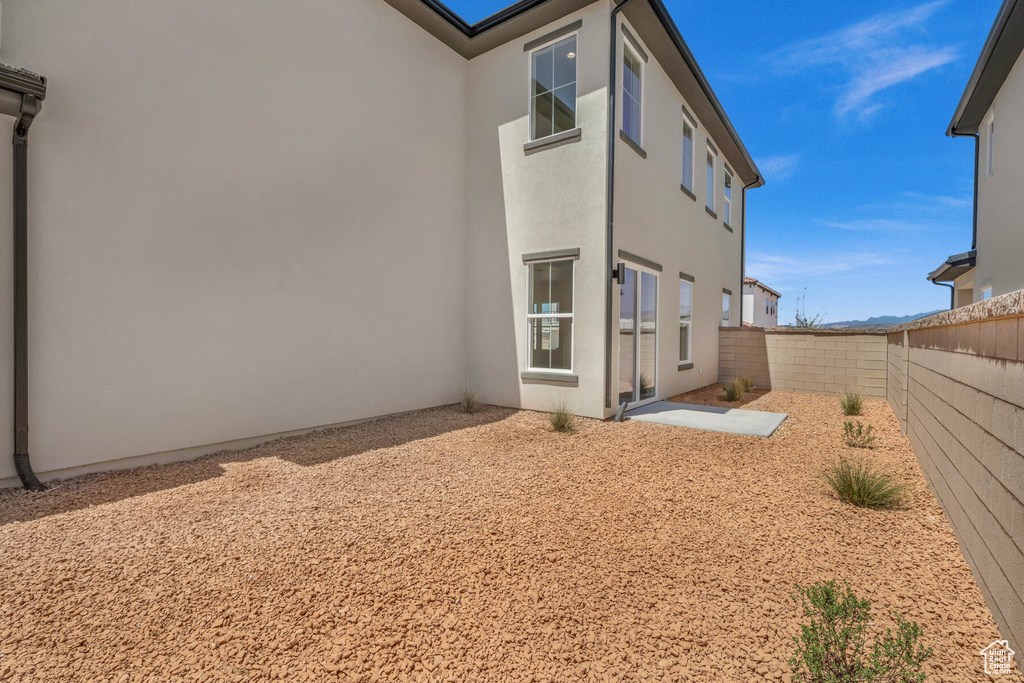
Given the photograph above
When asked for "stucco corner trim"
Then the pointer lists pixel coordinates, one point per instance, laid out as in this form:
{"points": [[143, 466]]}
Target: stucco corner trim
{"points": [[632, 144], [685, 366], [551, 255], [688, 278], [553, 377], [711, 213], [727, 227], [574, 135], [634, 43], [640, 260], [553, 35], [687, 192]]}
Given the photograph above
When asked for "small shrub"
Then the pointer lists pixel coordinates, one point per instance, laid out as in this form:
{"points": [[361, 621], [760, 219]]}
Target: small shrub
{"points": [[858, 483], [748, 384], [646, 384], [562, 420], [834, 647], [851, 403], [470, 403], [856, 436], [734, 390]]}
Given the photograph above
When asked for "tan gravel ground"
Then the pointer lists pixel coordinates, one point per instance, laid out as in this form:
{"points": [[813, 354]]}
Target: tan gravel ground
{"points": [[440, 546]]}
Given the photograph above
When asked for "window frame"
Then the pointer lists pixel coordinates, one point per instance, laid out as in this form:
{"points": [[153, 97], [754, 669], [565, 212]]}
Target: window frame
{"points": [[530, 97], [628, 49], [692, 125], [726, 309], [990, 148], [531, 316], [689, 325], [727, 197], [986, 293], [711, 198]]}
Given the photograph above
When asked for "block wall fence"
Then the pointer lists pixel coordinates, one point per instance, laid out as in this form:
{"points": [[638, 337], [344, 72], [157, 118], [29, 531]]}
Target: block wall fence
{"points": [[956, 384]]}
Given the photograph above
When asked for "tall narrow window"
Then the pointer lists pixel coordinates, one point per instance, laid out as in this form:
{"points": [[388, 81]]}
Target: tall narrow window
{"points": [[685, 320], [553, 92], [727, 207], [632, 81], [725, 309], [986, 293], [990, 166], [687, 155], [549, 321], [712, 190]]}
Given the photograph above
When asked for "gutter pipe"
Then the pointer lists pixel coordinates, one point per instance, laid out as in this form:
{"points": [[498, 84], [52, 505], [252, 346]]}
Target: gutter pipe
{"points": [[610, 208], [952, 292]]}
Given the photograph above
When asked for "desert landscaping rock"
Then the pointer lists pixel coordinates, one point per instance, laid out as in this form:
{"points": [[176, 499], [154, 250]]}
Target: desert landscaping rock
{"points": [[439, 546]]}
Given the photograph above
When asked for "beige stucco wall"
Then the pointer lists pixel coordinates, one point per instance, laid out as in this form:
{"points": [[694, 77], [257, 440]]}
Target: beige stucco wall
{"points": [[963, 411], [520, 203], [246, 218], [1000, 201], [655, 220], [820, 363]]}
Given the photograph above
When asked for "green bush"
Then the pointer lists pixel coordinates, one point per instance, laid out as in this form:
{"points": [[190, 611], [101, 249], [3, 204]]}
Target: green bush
{"points": [[734, 390], [834, 647], [858, 483], [851, 403], [856, 436], [562, 420], [470, 403], [748, 384]]}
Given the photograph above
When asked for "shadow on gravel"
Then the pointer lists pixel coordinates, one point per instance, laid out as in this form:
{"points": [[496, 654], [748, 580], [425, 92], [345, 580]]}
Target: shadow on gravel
{"points": [[307, 450]]}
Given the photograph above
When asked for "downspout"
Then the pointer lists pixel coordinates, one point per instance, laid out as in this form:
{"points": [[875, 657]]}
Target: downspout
{"points": [[743, 240], [30, 106], [610, 208], [977, 159], [952, 292]]}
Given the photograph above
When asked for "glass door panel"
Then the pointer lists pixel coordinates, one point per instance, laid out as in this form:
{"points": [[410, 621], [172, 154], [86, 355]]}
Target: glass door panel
{"points": [[648, 336], [627, 338]]}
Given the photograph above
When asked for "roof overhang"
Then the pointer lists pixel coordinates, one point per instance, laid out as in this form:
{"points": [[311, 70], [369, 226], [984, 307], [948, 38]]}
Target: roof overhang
{"points": [[754, 282], [999, 55], [955, 266], [15, 83], [651, 20]]}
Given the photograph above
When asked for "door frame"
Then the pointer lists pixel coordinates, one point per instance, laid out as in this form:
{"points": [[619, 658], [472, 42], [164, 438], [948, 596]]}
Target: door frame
{"points": [[640, 269]]}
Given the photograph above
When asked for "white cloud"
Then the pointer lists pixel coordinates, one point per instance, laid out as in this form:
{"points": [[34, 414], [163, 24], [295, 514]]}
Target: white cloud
{"points": [[779, 167], [878, 53], [880, 224], [775, 268]]}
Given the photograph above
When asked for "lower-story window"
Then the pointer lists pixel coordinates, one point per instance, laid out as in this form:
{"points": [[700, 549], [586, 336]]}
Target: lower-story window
{"points": [[685, 320], [726, 299], [550, 316]]}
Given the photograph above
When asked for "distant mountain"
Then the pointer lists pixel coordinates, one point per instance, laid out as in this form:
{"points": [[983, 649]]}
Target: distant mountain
{"points": [[880, 321]]}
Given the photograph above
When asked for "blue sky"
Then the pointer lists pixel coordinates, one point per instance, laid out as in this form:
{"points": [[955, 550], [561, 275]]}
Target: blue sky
{"points": [[844, 106]]}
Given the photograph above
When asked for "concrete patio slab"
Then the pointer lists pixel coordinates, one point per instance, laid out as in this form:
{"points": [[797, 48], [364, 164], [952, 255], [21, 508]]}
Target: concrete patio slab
{"points": [[709, 418]]}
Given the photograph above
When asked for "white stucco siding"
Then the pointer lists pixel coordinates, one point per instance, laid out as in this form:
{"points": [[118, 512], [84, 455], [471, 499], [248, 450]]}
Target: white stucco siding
{"points": [[760, 307], [1000, 201], [521, 203], [654, 219], [245, 218]]}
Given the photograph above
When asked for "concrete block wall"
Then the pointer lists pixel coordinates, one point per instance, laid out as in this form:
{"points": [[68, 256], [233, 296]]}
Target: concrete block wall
{"points": [[818, 362]]}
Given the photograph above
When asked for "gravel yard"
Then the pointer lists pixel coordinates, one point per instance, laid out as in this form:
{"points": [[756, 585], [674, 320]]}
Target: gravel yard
{"points": [[441, 546]]}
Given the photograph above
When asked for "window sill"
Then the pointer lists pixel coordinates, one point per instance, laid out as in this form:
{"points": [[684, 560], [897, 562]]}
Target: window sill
{"points": [[727, 227], [685, 366], [688, 193], [556, 140], [631, 143], [555, 377], [711, 213]]}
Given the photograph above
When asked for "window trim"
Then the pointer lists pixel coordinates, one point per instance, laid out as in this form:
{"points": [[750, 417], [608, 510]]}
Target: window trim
{"points": [[529, 50], [727, 196], [626, 47], [530, 316], [726, 298], [689, 338], [990, 149], [693, 157], [711, 193]]}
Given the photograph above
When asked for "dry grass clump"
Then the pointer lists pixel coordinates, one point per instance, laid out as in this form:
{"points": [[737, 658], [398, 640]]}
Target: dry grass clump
{"points": [[851, 403], [858, 483], [748, 384], [470, 402], [735, 389], [856, 436], [561, 419]]}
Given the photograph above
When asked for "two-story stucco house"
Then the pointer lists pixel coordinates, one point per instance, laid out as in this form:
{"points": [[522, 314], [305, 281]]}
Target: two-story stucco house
{"points": [[990, 111], [760, 304], [249, 219]]}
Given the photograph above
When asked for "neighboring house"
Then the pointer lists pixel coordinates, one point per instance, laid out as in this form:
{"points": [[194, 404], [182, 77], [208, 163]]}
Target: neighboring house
{"points": [[990, 111], [760, 304], [220, 195]]}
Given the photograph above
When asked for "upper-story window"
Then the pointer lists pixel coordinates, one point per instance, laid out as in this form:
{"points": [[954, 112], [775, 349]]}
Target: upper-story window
{"points": [[632, 82], [687, 155], [727, 208], [712, 190], [990, 131], [553, 91]]}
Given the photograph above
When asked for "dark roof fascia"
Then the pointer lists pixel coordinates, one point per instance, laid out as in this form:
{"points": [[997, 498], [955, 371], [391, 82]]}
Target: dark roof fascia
{"points": [[473, 30], [22, 81], [998, 56], [959, 263]]}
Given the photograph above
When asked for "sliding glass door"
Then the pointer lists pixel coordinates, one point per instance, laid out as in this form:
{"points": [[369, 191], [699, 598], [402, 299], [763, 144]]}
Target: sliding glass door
{"points": [[638, 336]]}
